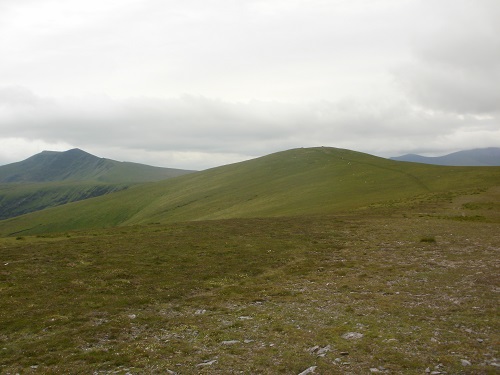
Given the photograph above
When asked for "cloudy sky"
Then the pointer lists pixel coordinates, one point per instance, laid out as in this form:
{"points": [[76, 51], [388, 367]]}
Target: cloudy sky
{"points": [[200, 83]]}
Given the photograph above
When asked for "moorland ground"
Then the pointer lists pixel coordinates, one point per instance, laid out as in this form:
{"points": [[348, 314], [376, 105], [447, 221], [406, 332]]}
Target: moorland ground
{"points": [[416, 281]]}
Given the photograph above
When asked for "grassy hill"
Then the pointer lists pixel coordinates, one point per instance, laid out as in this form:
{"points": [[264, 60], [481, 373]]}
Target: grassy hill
{"points": [[294, 182]]}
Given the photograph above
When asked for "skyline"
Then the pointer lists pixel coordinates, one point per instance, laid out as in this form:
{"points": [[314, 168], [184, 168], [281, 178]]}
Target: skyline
{"points": [[193, 84]]}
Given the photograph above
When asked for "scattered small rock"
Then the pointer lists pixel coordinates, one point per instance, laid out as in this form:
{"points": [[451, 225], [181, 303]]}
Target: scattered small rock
{"points": [[374, 369], [132, 316], [200, 312], [428, 370], [465, 362], [344, 353], [480, 340], [390, 340], [170, 372], [246, 341], [352, 335], [309, 370], [245, 318]]}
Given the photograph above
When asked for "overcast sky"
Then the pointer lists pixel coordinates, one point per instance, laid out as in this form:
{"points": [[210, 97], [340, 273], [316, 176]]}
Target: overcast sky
{"points": [[200, 83]]}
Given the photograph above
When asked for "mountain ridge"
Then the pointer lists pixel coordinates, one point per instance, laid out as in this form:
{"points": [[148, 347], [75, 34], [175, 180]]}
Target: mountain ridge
{"points": [[78, 165], [478, 157]]}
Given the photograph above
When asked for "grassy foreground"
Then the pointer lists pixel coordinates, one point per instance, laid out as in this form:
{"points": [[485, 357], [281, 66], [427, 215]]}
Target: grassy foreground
{"points": [[419, 281]]}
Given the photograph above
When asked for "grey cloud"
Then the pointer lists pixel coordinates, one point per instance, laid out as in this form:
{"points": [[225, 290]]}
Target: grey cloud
{"points": [[201, 125], [457, 62]]}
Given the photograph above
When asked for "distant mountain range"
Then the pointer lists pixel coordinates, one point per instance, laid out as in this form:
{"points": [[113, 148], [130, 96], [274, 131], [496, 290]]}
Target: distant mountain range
{"points": [[53, 178], [78, 165], [477, 157]]}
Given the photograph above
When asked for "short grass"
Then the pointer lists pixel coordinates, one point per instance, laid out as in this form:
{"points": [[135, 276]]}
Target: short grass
{"points": [[255, 296]]}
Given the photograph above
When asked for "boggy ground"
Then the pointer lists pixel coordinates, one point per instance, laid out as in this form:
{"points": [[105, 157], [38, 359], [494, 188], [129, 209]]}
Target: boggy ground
{"points": [[415, 284]]}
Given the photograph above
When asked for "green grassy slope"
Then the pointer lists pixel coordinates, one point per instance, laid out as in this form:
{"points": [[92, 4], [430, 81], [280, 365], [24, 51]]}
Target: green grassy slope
{"points": [[294, 182]]}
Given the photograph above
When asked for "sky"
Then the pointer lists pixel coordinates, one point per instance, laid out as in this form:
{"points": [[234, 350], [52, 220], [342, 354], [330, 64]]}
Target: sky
{"points": [[196, 84]]}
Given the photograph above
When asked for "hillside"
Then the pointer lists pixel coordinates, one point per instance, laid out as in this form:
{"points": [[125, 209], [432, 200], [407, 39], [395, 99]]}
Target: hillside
{"points": [[294, 182], [78, 165], [477, 157]]}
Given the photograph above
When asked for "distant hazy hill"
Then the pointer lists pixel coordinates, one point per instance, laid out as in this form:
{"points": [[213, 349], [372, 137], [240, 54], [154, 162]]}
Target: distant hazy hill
{"points": [[54, 178], [78, 165], [477, 157], [294, 182]]}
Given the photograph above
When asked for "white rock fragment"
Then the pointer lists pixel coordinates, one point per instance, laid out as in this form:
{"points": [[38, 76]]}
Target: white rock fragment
{"points": [[206, 363], [465, 362], [200, 312], [352, 335], [229, 342], [319, 351], [313, 349], [322, 351], [309, 370], [132, 316]]}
